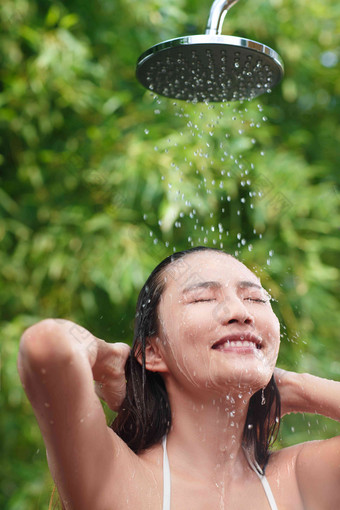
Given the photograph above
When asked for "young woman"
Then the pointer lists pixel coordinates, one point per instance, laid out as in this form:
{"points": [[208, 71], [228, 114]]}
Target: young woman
{"points": [[198, 400]]}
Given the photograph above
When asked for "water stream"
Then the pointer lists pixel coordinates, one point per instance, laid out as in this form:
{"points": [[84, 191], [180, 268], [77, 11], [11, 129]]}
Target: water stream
{"points": [[211, 173]]}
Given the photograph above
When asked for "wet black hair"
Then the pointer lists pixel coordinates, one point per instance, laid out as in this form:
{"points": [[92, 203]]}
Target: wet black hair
{"points": [[145, 414]]}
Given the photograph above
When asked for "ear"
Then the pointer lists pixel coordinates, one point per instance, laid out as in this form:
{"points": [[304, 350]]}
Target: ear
{"points": [[154, 358]]}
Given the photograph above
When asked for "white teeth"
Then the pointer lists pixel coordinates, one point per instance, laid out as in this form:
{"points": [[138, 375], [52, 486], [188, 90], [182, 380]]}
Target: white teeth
{"points": [[238, 343]]}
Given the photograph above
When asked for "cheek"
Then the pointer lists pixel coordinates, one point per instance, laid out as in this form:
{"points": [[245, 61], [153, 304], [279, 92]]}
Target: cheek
{"points": [[276, 330], [273, 332], [201, 317], [270, 325], [188, 323], [182, 337]]}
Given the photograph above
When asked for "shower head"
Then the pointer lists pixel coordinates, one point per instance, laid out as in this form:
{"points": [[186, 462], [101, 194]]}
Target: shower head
{"points": [[210, 67]]}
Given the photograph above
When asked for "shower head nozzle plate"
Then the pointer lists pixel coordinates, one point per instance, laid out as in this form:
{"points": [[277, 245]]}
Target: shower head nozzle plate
{"points": [[211, 68]]}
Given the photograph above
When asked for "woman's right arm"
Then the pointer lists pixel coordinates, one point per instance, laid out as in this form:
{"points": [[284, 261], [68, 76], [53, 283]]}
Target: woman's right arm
{"points": [[58, 361]]}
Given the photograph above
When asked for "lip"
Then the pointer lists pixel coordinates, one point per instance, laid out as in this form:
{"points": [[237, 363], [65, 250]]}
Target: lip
{"points": [[246, 338]]}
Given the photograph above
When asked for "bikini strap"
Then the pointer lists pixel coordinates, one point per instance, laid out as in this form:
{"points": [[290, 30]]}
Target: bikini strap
{"points": [[268, 492], [166, 478], [260, 473]]}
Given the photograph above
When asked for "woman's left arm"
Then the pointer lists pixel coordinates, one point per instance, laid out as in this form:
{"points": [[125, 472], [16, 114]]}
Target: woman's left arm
{"points": [[317, 465], [306, 393]]}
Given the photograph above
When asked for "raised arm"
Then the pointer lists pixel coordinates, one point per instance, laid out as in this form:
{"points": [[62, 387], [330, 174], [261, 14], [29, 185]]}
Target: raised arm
{"points": [[306, 393], [58, 361], [318, 462]]}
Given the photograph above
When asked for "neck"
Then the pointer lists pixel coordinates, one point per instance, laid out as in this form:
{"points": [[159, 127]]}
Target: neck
{"points": [[207, 432]]}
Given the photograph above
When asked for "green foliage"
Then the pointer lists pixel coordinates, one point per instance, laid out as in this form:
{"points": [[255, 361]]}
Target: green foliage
{"points": [[99, 181]]}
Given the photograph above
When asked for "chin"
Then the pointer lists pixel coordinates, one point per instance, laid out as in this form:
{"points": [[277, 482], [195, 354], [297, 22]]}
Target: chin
{"points": [[242, 380]]}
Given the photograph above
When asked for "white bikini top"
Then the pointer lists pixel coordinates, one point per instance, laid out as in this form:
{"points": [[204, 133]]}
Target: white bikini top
{"points": [[167, 480]]}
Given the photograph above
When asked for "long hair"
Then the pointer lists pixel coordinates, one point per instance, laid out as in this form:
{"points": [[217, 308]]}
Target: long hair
{"points": [[145, 415], [55, 502]]}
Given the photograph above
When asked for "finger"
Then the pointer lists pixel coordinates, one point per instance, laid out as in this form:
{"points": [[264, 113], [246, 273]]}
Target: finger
{"points": [[122, 349], [121, 352]]}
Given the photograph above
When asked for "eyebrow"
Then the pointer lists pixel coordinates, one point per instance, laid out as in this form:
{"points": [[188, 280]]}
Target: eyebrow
{"points": [[244, 284], [247, 284], [202, 285]]}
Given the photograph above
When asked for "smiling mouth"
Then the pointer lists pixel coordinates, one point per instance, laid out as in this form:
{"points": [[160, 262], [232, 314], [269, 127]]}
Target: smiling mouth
{"points": [[244, 342]]}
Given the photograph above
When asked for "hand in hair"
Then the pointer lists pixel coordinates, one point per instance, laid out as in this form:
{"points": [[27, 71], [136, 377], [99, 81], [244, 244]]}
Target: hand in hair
{"points": [[51, 339], [306, 393], [109, 372]]}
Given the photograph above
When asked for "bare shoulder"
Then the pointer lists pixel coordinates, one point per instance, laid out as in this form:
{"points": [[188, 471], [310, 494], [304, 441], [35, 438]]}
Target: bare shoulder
{"points": [[281, 475], [318, 473], [309, 472]]}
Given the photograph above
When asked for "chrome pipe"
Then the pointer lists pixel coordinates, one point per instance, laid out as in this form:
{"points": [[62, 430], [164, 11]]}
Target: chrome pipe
{"points": [[217, 14]]}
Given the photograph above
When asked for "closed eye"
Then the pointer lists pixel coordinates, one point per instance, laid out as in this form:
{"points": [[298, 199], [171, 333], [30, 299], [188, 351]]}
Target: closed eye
{"points": [[203, 300], [257, 300]]}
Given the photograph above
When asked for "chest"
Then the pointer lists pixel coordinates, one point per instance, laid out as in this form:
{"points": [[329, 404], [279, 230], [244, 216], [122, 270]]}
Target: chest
{"points": [[237, 495], [186, 493]]}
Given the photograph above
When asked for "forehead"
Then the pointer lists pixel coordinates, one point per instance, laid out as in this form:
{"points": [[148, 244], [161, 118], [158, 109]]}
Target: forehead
{"points": [[196, 268]]}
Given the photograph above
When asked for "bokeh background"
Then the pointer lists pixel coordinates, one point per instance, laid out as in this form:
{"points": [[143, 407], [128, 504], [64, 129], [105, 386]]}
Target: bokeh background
{"points": [[99, 180]]}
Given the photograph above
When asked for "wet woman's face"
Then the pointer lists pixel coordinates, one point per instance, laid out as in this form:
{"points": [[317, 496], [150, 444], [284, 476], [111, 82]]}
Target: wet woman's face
{"points": [[217, 330]]}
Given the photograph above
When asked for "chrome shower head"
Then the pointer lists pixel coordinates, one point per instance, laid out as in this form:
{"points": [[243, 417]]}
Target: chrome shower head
{"points": [[210, 67]]}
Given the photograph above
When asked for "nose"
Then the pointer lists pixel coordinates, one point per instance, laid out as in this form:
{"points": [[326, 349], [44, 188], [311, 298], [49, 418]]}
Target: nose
{"points": [[232, 311]]}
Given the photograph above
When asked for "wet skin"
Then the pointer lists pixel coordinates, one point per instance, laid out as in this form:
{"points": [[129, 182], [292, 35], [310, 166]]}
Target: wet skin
{"points": [[217, 343], [217, 330]]}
